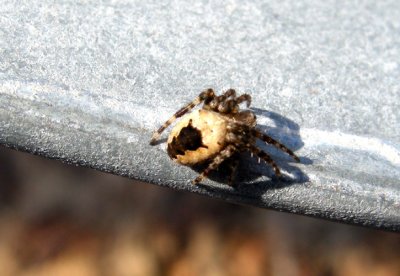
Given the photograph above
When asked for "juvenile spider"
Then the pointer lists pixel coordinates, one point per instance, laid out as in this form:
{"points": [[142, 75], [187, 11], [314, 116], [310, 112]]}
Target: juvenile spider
{"points": [[215, 133]]}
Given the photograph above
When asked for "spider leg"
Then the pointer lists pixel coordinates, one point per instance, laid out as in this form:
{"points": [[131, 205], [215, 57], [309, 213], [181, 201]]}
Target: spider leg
{"points": [[232, 105], [275, 143], [224, 154], [233, 166], [215, 103], [264, 156], [244, 98], [228, 93], [205, 96]]}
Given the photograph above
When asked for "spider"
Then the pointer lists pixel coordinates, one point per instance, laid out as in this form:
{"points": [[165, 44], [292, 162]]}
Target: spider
{"points": [[215, 133]]}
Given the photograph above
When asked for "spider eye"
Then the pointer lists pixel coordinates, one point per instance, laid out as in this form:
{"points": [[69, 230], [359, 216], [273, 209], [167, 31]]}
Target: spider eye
{"points": [[189, 138]]}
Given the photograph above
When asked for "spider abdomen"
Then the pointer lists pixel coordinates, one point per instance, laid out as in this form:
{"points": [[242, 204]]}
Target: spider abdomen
{"points": [[198, 137]]}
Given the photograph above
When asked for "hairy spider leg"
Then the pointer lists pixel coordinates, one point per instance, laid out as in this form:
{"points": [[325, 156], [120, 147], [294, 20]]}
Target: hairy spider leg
{"points": [[228, 105], [233, 165], [244, 98], [227, 94], [215, 103], [275, 143], [232, 105], [205, 96], [264, 156], [223, 155]]}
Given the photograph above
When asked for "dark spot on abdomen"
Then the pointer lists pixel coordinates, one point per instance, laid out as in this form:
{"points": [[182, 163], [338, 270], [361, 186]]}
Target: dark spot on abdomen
{"points": [[189, 138]]}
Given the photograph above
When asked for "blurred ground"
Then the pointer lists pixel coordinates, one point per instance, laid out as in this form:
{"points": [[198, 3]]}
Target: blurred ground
{"points": [[57, 219]]}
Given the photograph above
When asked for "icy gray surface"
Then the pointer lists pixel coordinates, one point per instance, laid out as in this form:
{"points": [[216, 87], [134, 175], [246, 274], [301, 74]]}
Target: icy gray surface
{"points": [[88, 81]]}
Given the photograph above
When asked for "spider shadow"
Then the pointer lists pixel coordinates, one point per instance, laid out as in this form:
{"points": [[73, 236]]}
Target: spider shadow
{"points": [[250, 170]]}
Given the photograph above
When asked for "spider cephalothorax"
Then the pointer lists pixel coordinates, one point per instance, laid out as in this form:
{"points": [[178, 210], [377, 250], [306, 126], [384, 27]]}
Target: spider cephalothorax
{"points": [[216, 132]]}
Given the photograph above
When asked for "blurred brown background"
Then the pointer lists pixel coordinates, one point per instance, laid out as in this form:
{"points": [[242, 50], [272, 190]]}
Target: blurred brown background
{"points": [[57, 219]]}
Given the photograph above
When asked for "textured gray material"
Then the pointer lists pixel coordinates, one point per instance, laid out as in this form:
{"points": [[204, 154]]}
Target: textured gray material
{"points": [[88, 82]]}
